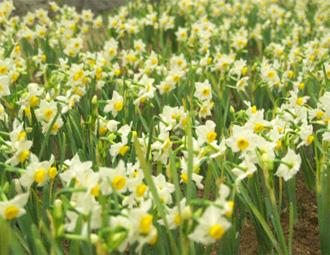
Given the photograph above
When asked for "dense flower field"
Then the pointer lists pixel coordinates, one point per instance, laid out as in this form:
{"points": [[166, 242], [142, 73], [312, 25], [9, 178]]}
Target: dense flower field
{"points": [[162, 128]]}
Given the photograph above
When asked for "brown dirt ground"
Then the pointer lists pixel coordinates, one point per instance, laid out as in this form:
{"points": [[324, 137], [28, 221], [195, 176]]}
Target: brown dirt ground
{"points": [[306, 239]]}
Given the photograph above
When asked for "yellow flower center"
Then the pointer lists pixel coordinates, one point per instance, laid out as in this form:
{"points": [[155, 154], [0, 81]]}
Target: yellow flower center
{"points": [[203, 110], [154, 61], [118, 106], [14, 76], [34, 101], [95, 191], [300, 101], [27, 112], [278, 144], [117, 72], [23, 156], [52, 172], [229, 211], [241, 43], [183, 34], [177, 219], [175, 116], [3, 69], [55, 127], [167, 144], [71, 53], [112, 52], [11, 212], [206, 92], [216, 231], [131, 58], [319, 114], [211, 136], [135, 173], [166, 87], [180, 62], [290, 74], [244, 70], [40, 175], [48, 113], [43, 58], [78, 75], [145, 224], [141, 189], [17, 49], [21, 136], [102, 131], [119, 182], [312, 57], [123, 150], [176, 78], [301, 85], [271, 74], [98, 73], [258, 127], [184, 177], [253, 109], [242, 144], [310, 139]]}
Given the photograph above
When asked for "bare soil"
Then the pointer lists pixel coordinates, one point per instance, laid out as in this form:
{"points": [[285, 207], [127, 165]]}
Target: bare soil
{"points": [[306, 240]]}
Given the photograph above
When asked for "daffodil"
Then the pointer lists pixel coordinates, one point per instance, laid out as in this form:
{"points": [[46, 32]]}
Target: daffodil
{"points": [[118, 178], [54, 128], [121, 148], [174, 117], [182, 34], [196, 178], [142, 225], [37, 172], [270, 75], [242, 139], [206, 133], [34, 93], [115, 105], [290, 165], [21, 153], [14, 208], [178, 214], [46, 111], [245, 169], [161, 148], [164, 188], [76, 170], [73, 47], [111, 48], [203, 91], [211, 227]]}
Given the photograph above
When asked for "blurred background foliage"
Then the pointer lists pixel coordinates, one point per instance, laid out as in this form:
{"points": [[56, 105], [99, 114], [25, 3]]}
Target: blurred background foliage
{"points": [[97, 6]]}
